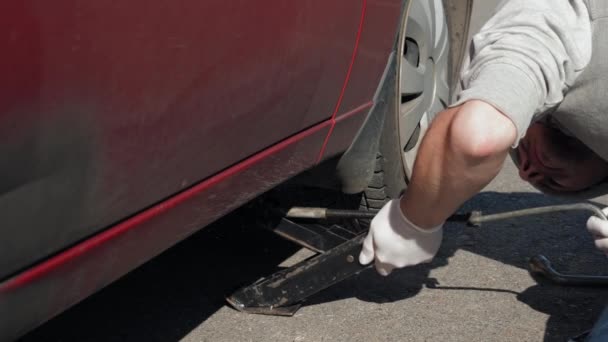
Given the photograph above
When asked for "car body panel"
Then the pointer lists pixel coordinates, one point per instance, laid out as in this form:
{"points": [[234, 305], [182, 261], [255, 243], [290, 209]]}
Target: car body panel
{"points": [[344, 128], [374, 48], [123, 138], [31, 297], [111, 107]]}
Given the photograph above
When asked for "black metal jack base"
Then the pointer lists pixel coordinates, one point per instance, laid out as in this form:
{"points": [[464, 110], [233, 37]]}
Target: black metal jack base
{"points": [[282, 293]]}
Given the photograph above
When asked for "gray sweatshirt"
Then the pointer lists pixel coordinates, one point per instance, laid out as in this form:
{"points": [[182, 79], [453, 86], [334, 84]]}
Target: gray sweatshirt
{"points": [[535, 57]]}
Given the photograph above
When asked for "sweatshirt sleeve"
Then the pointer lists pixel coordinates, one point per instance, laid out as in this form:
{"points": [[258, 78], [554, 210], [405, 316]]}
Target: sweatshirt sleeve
{"points": [[526, 56]]}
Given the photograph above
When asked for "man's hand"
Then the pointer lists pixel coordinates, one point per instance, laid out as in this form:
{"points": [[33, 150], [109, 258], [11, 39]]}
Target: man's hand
{"points": [[394, 242], [599, 229]]}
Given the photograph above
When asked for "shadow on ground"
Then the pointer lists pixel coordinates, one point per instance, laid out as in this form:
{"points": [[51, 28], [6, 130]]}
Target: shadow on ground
{"points": [[174, 293], [561, 237]]}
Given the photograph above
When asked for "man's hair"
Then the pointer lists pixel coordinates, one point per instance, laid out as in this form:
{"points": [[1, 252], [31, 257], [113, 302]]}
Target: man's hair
{"points": [[570, 147]]}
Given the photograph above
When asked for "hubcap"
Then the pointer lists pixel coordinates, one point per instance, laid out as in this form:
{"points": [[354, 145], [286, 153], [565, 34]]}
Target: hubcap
{"points": [[423, 74]]}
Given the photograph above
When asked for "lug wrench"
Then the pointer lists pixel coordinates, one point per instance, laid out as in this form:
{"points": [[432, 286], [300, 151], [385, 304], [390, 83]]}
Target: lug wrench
{"points": [[539, 264]]}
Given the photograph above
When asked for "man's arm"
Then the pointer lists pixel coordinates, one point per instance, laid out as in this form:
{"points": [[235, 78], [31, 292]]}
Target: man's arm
{"points": [[454, 162], [462, 151], [523, 61]]}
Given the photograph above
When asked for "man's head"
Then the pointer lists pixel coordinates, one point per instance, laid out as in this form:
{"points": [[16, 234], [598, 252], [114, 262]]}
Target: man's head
{"points": [[552, 160]]}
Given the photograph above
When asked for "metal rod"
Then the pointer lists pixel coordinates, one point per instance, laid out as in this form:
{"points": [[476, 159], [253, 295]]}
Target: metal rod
{"points": [[537, 211], [326, 213], [309, 213], [473, 218]]}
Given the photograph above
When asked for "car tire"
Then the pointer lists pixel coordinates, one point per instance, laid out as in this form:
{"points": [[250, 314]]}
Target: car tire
{"points": [[424, 70]]}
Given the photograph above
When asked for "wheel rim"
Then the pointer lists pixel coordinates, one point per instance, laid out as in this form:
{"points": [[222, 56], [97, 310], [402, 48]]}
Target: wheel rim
{"points": [[423, 88]]}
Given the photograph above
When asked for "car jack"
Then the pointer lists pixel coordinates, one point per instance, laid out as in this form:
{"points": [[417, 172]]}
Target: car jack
{"points": [[282, 293], [337, 250]]}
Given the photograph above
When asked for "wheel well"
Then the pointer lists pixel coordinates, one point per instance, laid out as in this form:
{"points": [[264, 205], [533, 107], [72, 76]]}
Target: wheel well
{"points": [[355, 168]]}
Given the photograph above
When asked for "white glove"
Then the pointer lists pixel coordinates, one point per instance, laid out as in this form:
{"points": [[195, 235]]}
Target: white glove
{"points": [[599, 229], [393, 241]]}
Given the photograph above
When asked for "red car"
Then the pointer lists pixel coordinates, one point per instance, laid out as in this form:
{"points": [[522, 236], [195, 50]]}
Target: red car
{"points": [[128, 126]]}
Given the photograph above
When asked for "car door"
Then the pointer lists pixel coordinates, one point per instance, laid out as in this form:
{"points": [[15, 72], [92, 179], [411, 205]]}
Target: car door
{"points": [[108, 107]]}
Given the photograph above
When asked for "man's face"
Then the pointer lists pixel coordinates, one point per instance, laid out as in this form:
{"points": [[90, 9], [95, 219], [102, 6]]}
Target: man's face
{"points": [[550, 159]]}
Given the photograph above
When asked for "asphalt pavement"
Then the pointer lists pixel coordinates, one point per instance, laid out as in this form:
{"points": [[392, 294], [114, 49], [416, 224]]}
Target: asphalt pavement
{"points": [[476, 289]]}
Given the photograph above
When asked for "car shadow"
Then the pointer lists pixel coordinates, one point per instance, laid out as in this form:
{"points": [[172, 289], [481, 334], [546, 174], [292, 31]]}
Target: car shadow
{"points": [[169, 296], [172, 294]]}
